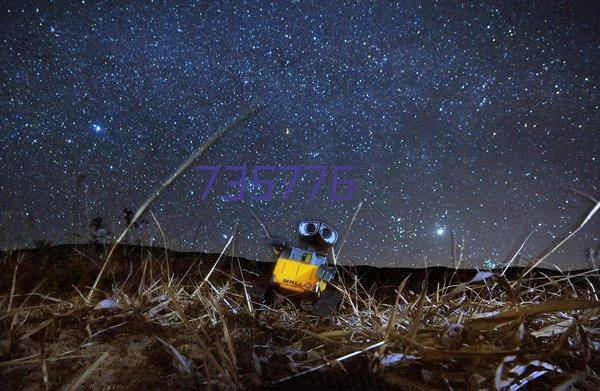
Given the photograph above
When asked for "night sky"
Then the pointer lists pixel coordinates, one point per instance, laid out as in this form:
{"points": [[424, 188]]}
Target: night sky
{"points": [[460, 121]]}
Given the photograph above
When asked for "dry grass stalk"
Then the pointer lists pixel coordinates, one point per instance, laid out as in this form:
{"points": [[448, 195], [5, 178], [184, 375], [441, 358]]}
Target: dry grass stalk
{"points": [[587, 218], [87, 373], [168, 182]]}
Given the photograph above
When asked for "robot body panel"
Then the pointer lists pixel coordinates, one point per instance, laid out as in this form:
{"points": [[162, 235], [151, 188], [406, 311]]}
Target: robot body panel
{"points": [[299, 271]]}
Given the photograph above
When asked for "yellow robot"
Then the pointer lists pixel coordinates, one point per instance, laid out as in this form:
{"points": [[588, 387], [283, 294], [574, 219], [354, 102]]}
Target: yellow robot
{"points": [[305, 271]]}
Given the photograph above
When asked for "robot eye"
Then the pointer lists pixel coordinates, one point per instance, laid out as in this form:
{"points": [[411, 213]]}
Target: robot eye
{"points": [[328, 234], [308, 228]]}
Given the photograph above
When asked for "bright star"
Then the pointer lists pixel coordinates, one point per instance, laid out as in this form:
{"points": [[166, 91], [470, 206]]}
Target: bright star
{"points": [[440, 231], [97, 129]]}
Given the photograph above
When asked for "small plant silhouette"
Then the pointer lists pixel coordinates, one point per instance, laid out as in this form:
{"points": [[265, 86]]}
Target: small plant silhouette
{"points": [[100, 234], [128, 214]]}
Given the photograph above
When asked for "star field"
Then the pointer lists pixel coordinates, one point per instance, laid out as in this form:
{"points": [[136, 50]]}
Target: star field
{"points": [[462, 123]]}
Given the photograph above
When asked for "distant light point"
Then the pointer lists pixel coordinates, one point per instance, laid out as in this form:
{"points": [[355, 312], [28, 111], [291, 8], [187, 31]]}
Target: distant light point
{"points": [[97, 129], [440, 231]]}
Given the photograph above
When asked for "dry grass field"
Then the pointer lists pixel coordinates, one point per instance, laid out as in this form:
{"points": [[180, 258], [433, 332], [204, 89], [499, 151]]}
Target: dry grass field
{"points": [[159, 319]]}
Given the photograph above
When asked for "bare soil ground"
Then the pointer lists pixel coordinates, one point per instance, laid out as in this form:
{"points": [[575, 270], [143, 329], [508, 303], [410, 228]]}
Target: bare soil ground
{"points": [[160, 319]]}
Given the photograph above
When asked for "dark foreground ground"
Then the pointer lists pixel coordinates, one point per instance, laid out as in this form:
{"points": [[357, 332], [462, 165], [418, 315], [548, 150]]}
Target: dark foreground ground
{"points": [[159, 319]]}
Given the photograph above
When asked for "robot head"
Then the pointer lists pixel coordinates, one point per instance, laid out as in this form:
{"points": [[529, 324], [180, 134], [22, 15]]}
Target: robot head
{"points": [[318, 235]]}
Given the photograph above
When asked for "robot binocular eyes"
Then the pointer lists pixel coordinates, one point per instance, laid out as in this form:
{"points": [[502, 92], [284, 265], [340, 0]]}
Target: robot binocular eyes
{"points": [[328, 234], [311, 228], [308, 228]]}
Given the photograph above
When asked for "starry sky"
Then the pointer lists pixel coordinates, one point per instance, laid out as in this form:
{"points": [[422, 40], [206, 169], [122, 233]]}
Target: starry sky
{"points": [[461, 122]]}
